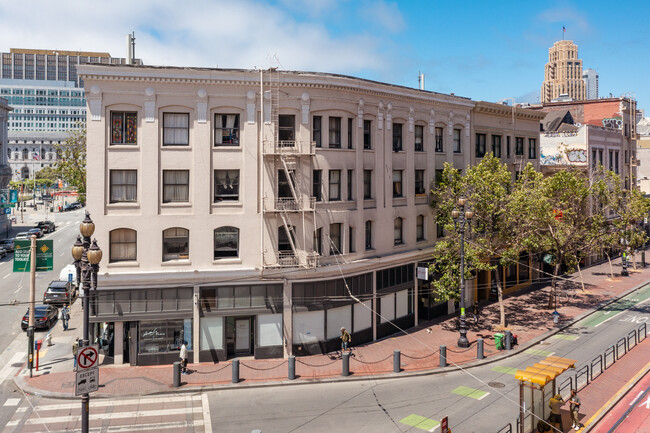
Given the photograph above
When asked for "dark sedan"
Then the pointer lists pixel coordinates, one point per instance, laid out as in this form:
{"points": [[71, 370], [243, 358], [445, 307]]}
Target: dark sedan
{"points": [[37, 232], [7, 245], [46, 226], [44, 317]]}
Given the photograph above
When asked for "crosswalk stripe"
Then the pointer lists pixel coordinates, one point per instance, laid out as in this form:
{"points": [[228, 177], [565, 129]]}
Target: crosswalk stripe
{"points": [[109, 416], [12, 402], [206, 413], [134, 401], [177, 426], [8, 368]]}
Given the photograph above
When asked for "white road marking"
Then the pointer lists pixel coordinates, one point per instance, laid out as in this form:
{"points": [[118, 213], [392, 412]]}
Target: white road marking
{"points": [[121, 402], [8, 368], [109, 416], [5, 276], [206, 413], [12, 402]]}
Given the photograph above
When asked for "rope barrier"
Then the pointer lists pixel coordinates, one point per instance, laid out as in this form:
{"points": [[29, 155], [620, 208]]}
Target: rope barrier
{"points": [[373, 362], [315, 365], [419, 357], [213, 371], [264, 369]]}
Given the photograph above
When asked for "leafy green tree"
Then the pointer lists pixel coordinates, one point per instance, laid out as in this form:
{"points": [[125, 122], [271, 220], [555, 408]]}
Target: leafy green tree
{"points": [[47, 173], [497, 238], [71, 160]]}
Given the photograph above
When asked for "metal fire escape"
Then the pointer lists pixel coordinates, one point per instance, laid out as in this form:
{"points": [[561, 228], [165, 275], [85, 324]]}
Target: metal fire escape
{"points": [[289, 157]]}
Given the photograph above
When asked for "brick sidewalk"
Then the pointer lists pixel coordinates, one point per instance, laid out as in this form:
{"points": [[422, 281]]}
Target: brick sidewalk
{"points": [[525, 312]]}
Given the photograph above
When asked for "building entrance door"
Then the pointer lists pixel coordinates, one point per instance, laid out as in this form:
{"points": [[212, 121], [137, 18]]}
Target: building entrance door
{"points": [[243, 335]]}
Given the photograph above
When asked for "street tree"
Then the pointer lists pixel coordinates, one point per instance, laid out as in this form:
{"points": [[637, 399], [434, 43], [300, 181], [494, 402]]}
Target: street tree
{"points": [[71, 162], [47, 173], [497, 238]]}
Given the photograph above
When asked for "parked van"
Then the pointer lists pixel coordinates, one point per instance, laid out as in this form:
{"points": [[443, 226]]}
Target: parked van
{"points": [[69, 273]]}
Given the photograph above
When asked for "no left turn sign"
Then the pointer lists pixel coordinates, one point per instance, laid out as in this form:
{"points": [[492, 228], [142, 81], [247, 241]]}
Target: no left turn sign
{"points": [[87, 357]]}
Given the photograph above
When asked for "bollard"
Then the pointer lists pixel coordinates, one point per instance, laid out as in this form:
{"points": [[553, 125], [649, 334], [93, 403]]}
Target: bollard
{"points": [[235, 371], [176, 374], [479, 348], [346, 364], [292, 367], [443, 356], [508, 340], [396, 361]]}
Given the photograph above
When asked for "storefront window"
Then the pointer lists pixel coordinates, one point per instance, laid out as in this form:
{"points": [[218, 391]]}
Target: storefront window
{"points": [[164, 335], [211, 333]]}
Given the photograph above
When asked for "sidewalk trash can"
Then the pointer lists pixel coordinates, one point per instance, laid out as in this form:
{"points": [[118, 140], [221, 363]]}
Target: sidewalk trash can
{"points": [[498, 341]]}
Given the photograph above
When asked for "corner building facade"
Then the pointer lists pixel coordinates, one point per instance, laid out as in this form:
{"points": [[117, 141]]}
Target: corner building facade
{"points": [[255, 213]]}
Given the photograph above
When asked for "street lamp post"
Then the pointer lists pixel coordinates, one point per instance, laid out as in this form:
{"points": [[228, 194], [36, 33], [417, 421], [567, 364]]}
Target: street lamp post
{"points": [[86, 260], [460, 219]]}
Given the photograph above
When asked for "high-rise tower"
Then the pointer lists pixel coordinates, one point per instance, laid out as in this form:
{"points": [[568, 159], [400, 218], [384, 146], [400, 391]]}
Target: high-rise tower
{"points": [[591, 83], [563, 73]]}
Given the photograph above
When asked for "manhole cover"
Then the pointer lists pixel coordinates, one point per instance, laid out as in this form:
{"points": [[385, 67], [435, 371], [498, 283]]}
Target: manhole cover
{"points": [[496, 385]]}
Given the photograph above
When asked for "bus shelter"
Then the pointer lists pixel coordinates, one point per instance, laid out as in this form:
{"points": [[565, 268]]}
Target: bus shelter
{"points": [[536, 387]]}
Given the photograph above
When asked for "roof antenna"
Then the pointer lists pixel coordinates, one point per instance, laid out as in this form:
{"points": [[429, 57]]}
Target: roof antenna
{"points": [[130, 48]]}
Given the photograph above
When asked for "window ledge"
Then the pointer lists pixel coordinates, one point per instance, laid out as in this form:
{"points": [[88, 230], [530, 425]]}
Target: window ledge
{"points": [[125, 264], [237, 148], [177, 262], [131, 147], [175, 205], [226, 261], [123, 205], [227, 203], [180, 147]]}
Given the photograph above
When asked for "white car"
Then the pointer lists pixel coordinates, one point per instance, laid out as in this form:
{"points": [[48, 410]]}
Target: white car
{"points": [[23, 235]]}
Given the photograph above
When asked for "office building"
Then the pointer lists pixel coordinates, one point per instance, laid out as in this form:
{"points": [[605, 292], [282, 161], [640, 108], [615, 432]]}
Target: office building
{"points": [[563, 73], [591, 83]]}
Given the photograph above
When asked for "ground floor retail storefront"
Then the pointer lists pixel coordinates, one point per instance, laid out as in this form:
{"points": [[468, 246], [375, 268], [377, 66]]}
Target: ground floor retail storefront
{"points": [[147, 326]]}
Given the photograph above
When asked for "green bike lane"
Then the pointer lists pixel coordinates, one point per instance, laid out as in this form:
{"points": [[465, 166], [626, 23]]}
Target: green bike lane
{"points": [[615, 308]]}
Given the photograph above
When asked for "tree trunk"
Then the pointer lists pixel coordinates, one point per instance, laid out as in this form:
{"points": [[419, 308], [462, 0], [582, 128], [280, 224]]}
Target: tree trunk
{"points": [[551, 297], [582, 282], [633, 259], [611, 268], [502, 308]]}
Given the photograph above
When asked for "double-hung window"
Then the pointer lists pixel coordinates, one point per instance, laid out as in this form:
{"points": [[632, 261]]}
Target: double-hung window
{"points": [[367, 184], [457, 148], [419, 228], [318, 185], [124, 127], [397, 231], [176, 129], [367, 140], [419, 182], [287, 130], [496, 146], [335, 238], [176, 244], [123, 186], [439, 145], [317, 122], [226, 242], [419, 138], [335, 185], [176, 186], [532, 148], [335, 132], [123, 245], [226, 185], [397, 137], [350, 135], [519, 146], [368, 235], [226, 129], [397, 183], [350, 183], [480, 145]]}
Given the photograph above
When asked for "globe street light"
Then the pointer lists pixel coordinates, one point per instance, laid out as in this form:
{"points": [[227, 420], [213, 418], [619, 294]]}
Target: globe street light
{"points": [[462, 217], [86, 261]]}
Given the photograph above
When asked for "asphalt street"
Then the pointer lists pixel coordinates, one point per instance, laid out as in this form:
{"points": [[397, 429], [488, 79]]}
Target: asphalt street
{"points": [[475, 400]]}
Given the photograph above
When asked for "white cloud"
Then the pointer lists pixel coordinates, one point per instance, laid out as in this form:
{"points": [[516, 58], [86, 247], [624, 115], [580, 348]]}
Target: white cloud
{"points": [[209, 33], [568, 17], [384, 15]]}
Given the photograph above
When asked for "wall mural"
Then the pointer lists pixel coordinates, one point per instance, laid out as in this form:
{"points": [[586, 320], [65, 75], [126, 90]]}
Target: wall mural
{"points": [[615, 122], [564, 148]]}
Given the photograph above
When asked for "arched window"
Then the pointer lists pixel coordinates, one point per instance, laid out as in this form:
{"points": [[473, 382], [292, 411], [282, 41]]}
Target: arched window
{"points": [[226, 242], [397, 232], [123, 245], [176, 244]]}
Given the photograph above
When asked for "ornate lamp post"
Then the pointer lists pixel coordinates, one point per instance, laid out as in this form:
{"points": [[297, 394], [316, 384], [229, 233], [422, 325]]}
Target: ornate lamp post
{"points": [[462, 217], [86, 260]]}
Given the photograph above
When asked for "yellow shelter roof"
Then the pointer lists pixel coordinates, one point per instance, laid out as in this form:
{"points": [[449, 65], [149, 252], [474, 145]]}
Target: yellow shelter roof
{"points": [[545, 371]]}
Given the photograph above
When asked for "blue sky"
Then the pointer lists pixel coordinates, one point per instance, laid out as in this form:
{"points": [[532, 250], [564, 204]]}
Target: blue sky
{"points": [[479, 49]]}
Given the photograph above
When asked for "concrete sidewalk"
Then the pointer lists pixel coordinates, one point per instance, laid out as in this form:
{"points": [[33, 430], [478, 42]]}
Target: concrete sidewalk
{"points": [[525, 312]]}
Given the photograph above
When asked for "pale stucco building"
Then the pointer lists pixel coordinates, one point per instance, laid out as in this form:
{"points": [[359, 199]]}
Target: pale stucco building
{"points": [[261, 225]]}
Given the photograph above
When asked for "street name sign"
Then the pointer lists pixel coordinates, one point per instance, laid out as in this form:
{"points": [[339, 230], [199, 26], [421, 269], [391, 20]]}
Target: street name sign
{"points": [[86, 381], [44, 255], [87, 357]]}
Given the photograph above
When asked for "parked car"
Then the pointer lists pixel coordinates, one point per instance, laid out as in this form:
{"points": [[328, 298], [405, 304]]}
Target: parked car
{"points": [[46, 226], [37, 232], [23, 235], [71, 206], [44, 317], [3, 253], [59, 292], [7, 244]]}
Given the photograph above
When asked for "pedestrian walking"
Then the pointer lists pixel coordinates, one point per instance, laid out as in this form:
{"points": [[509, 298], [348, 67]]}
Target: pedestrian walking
{"points": [[183, 356], [555, 403], [574, 406], [64, 315], [345, 340], [75, 348]]}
